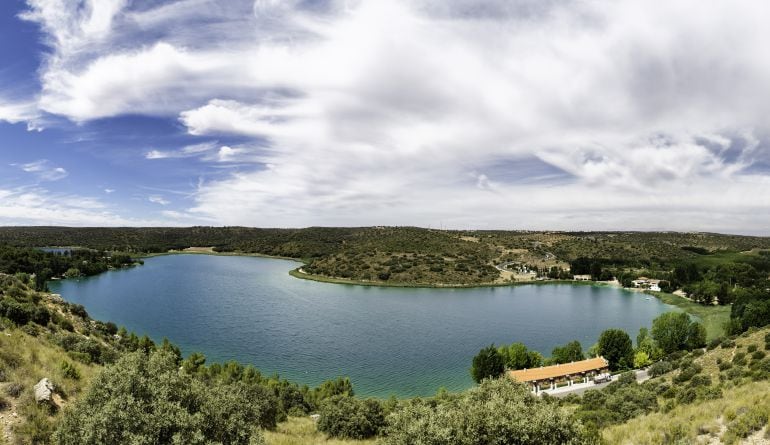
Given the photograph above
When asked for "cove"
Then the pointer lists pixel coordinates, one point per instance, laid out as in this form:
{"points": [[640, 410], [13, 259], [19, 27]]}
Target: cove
{"points": [[388, 340]]}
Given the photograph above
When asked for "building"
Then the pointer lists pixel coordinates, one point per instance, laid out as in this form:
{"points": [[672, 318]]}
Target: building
{"points": [[582, 277], [647, 283], [558, 375]]}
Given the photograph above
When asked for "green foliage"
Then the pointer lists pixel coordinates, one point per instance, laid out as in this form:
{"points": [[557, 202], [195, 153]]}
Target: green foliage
{"points": [[571, 352], [659, 368], [487, 364], [641, 359], [146, 400], [497, 412], [69, 370], [670, 331], [744, 425], [615, 346], [517, 356], [345, 417]]}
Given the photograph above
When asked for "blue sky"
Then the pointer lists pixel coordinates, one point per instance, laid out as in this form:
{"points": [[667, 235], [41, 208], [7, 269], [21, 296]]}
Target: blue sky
{"points": [[569, 115]]}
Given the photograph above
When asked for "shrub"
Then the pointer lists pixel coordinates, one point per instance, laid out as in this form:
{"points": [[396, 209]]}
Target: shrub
{"points": [[660, 368], [14, 389], [746, 424], [145, 399], [713, 343], [686, 396], [349, 418], [751, 348], [724, 366], [69, 370], [758, 355], [4, 404], [700, 380], [687, 373], [728, 343], [500, 407]]}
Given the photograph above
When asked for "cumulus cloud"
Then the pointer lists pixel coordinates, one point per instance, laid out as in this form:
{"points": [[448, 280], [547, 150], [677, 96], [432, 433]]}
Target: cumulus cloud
{"points": [[43, 170], [402, 112]]}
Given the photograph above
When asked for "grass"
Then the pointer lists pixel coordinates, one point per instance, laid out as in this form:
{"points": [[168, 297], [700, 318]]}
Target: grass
{"points": [[713, 318], [302, 431], [26, 360], [743, 409], [685, 423]]}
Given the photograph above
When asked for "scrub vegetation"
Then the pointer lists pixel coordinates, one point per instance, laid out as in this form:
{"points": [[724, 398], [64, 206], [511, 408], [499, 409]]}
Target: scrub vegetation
{"points": [[113, 386]]}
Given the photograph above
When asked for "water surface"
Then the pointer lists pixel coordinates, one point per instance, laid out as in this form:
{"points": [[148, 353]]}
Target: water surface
{"points": [[400, 341]]}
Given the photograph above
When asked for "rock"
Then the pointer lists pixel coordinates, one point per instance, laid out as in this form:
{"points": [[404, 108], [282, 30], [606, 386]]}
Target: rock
{"points": [[44, 391]]}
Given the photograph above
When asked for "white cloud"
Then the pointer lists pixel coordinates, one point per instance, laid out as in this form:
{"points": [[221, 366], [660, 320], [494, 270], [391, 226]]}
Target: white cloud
{"points": [[109, 191], [185, 152], [404, 112], [43, 170], [157, 199], [34, 205]]}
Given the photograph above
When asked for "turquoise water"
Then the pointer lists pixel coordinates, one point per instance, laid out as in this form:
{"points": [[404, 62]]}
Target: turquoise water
{"points": [[401, 341]]}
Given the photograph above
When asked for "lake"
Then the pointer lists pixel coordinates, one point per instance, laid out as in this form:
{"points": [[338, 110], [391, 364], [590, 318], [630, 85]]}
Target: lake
{"points": [[388, 340]]}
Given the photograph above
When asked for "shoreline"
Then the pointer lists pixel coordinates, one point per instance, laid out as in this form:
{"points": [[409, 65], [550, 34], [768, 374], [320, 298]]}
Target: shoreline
{"points": [[713, 318], [297, 273]]}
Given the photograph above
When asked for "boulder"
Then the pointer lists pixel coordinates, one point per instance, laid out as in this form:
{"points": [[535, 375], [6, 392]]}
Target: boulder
{"points": [[44, 391]]}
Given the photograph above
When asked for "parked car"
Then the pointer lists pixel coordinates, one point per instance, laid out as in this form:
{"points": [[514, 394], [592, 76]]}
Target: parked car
{"points": [[602, 378]]}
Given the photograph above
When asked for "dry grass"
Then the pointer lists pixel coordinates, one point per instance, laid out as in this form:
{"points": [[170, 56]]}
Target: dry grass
{"points": [[697, 423], [302, 431], [26, 360], [705, 422]]}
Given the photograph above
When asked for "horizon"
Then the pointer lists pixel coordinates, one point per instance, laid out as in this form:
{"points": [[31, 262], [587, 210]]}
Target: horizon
{"points": [[609, 116], [388, 227]]}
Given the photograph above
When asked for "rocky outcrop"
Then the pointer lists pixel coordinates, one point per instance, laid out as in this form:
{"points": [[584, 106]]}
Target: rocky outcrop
{"points": [[44, 391]]}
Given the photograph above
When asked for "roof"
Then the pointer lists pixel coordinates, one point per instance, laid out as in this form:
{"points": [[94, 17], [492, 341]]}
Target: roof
{"points": [[549, 372]]}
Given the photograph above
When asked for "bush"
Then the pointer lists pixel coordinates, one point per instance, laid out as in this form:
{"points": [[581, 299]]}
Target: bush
{"points": [[751, 348], [713, 344], [687, 373], [686, 396], [349, 418], [500, 407], [700, 380], [727, 343], [4, 404], [758, 355], [145, 399], [743, 426], [14, 389], [724, 366], [69, 370], [660, 368]]}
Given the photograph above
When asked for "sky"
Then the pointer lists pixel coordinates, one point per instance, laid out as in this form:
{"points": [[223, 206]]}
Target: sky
{"points": [[457, 114]]}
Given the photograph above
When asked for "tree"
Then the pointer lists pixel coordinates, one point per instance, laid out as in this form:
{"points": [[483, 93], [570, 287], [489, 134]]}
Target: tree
{"points": [[487, 363], [641, 359], [517, 356], [641, 336], [616, 347], [571, 352], [671, 330], [146, 399], [696, 336]]}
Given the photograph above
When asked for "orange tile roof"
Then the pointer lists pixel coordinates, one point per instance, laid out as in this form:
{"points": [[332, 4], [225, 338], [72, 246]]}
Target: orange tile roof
{"points": [[550, 372]]}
